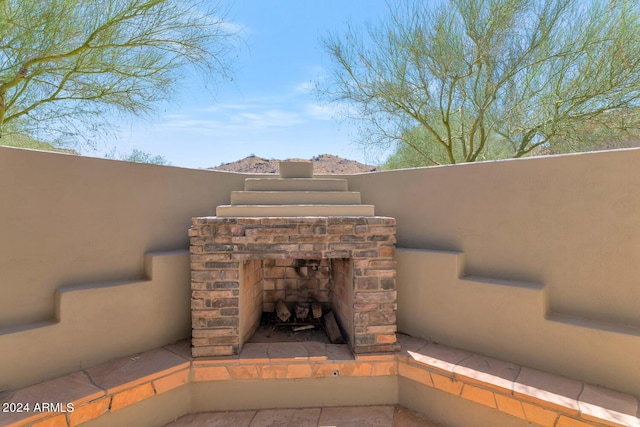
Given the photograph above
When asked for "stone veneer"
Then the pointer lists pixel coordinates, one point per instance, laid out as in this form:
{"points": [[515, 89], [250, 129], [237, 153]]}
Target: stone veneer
{"points": [[223, 251]]}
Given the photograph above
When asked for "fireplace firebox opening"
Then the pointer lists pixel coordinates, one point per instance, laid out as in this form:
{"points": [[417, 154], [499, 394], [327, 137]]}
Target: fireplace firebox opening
{"points": [[243, 267], [293, 299]]}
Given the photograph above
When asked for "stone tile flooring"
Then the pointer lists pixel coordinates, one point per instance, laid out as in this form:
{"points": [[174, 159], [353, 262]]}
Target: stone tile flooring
{"points": [[353, 416]]}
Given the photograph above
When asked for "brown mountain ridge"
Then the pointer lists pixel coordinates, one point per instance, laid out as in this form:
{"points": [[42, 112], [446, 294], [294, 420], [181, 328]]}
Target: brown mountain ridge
{"points": [[322, 164]]}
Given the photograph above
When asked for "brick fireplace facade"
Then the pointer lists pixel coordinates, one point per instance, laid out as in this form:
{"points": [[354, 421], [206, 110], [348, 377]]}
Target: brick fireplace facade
{"points": [[241, 265]]}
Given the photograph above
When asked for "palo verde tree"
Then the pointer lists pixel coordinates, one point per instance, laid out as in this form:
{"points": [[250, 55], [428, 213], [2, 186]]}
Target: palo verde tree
{"points": [[138, 156], [65, 64], [468, 80]]}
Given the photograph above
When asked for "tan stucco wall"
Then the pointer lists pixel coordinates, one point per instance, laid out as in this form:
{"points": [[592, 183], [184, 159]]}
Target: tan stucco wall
{"points": [[100, 321], [447, 409], [252, 395], [156, 411], [298, 393], [76, 287], [571, 224], [70, 220], [507, 320], [450, 410]]}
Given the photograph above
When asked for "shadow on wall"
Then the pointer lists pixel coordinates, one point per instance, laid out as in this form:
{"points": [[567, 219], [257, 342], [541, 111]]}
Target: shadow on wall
{"points": [[100, 321], [569, 223], [71, 220]]}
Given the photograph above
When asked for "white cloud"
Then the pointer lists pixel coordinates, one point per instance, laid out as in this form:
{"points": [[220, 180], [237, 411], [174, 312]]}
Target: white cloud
{"points": [[222, 107], [175, 116], [254, 119], [323, 111], [266, 119], [234, 28], [305, 87], [230, 122]]}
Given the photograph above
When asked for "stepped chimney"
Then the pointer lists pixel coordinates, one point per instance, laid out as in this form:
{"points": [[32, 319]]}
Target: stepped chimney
{"points": [[299, 251]]}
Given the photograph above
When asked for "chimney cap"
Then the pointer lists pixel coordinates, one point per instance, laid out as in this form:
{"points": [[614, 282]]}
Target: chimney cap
{"points": [[296, 169]]}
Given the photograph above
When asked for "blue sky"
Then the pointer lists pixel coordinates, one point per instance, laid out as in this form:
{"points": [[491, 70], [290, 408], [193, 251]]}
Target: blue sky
{"points": [[268, 110]]}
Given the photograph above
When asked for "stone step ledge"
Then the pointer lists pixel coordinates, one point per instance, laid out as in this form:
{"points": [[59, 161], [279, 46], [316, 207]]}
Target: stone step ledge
{"points": [[259, 361], [295, 198], [296, 184], [90, 393], [294, 210], [535, 396]]}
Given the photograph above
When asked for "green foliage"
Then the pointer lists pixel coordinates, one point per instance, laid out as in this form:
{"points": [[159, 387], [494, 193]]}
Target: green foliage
{"points": [[65, 65], [138, 156], [614, 129], [25, 141], [467, 80], [432, 154]]}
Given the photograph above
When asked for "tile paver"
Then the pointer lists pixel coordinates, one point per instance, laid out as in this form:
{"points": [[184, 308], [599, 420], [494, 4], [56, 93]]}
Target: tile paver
{"points": [[287, 351], [338, 352], [215, 419], [485, 370], [557, 391], [597, 403], [403, 417], [286, 418], [355, 416], [440, 356], [127, 371]]}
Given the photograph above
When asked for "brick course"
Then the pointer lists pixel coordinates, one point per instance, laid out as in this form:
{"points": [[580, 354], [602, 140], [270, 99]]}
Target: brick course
{"points": [[220, 247]]}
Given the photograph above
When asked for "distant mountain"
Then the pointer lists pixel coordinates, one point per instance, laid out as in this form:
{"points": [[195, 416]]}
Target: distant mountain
{"points": [[322, 164]]}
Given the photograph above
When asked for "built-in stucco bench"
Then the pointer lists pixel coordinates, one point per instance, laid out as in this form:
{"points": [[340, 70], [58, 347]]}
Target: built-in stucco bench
{"points": [[535, 396], [529, 394]]}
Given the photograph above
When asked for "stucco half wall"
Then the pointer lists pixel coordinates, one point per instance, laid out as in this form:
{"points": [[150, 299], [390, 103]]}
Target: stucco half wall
{"points": [[558, 235], [571, 223], [70, 220], [533, 260], [97, 322]]}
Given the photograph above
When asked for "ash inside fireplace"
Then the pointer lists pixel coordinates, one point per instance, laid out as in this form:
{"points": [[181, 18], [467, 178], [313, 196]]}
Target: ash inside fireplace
{"points": [[272, 329]]}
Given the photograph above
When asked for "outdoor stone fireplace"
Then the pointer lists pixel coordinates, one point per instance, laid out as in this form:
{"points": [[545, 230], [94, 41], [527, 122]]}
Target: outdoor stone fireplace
{"points": [[243, 266]]}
